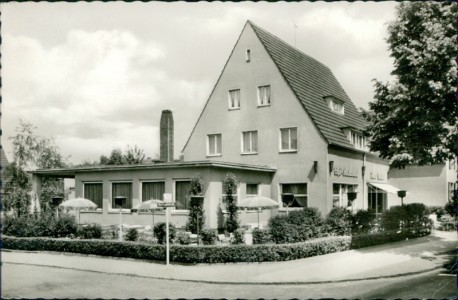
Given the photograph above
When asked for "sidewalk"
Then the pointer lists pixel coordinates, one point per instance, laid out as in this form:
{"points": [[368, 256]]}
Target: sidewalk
{"points": [[390, 260]]}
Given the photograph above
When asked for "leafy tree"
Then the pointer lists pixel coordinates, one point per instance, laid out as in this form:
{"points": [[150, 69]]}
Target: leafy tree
{"points": [[196, 211], [116, 158], [413, 117], [132, 156], [31, 151], [230, 189]]}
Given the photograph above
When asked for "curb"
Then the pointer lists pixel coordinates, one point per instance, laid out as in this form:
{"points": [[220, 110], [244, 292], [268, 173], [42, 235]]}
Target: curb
{"points": [[239, 282]]}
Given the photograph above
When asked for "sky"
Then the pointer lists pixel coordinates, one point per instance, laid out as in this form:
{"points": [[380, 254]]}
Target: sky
{"points": [[96, 76]]}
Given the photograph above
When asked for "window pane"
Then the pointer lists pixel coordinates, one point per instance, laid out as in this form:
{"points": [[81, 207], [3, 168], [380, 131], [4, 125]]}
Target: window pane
{"points": [[254, 141], [284, 139], [153, 190], [293, 138], [268, 94], [182, 189], [214, 144], [94, 192], [218, 144], [122, 189], [251, 189], [246, 142], [335, 189]]}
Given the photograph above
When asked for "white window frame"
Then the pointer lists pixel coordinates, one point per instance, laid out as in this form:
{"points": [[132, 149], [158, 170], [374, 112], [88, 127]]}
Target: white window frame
{"points": [[344, 188], [111, 195], [251, 151], [148, 181], [174, 209], [236, 103], [358, 140], [246, 189], [92, 182], [289, 149], [335, 105], [216, 144], [261, 101], [280, 193]]}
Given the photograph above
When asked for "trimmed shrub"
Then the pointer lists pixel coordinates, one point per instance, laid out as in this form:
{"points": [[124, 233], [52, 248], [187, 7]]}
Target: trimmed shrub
{"points": [[132, 234], [184, 254], [407, 218], [208, 236], [159, 232], [309, 222], [183, 238], [339, 221], [451, 207], [230, 189], [66, 225], [363, 221], [282, 231], [261, 236], [239, 237], [91, 231], [196, 218], [44, 224], [374, 239]]}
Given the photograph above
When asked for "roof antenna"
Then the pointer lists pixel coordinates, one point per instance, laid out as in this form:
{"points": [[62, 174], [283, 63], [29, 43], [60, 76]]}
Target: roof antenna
{"points": [[295, 27]]}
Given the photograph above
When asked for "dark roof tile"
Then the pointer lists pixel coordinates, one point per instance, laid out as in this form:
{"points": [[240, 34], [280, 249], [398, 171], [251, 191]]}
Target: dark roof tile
{"points": [[311, 81]]}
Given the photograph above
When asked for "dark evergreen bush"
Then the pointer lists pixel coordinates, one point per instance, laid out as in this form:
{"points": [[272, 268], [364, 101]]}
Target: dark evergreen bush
{"points": [[91, 231], [159, 232], [66, 226], [339, 221], [196, 218], [363, 221], [184, 254], [239, 237], [208, 236], [262, 236], [183, 238], [407, 218], [132, 235]]}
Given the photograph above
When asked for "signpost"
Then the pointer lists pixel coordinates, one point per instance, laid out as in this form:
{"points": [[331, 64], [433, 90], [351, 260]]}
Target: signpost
{"points": [[120, 201], [167, 204]]}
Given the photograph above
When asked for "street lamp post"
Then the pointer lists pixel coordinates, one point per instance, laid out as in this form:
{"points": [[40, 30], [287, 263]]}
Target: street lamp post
{"points": [[120, 201]]}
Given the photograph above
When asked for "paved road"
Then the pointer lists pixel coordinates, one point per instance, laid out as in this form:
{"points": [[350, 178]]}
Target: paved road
{"points": [[28, 281]]}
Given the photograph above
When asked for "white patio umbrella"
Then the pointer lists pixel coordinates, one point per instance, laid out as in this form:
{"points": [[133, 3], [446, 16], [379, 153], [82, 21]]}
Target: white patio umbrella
{"points": [[259, 203], [78, 204], [151, 205]]}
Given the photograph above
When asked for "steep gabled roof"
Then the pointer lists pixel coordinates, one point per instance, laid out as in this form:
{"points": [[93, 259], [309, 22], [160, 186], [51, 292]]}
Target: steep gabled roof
{"points": [[312, 81]]}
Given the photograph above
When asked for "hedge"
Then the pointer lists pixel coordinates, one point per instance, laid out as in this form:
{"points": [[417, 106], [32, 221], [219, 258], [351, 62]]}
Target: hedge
{"points": [[374, 239], [184, 254]]}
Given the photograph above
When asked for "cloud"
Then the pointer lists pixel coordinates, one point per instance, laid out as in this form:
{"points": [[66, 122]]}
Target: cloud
{"points": [[94, 85]]}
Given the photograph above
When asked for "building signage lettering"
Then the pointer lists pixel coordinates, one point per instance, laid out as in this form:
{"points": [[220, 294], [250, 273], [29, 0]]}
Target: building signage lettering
{"points": [[345, 172], [378, 176]]}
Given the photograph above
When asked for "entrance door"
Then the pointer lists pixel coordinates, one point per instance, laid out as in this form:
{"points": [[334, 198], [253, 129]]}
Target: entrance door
{"points": [[376, 199]]}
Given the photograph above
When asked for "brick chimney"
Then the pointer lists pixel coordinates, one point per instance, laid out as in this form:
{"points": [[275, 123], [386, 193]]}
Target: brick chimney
{"points": [[166, 136]]}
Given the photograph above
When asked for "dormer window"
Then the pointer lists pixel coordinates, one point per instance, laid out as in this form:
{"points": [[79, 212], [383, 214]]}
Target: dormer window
{"points": [[356, 138], [248, 55], [335, 105]]}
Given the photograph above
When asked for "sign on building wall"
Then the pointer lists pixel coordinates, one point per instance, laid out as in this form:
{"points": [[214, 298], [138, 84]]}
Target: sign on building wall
{"points": [[345, 172]]}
